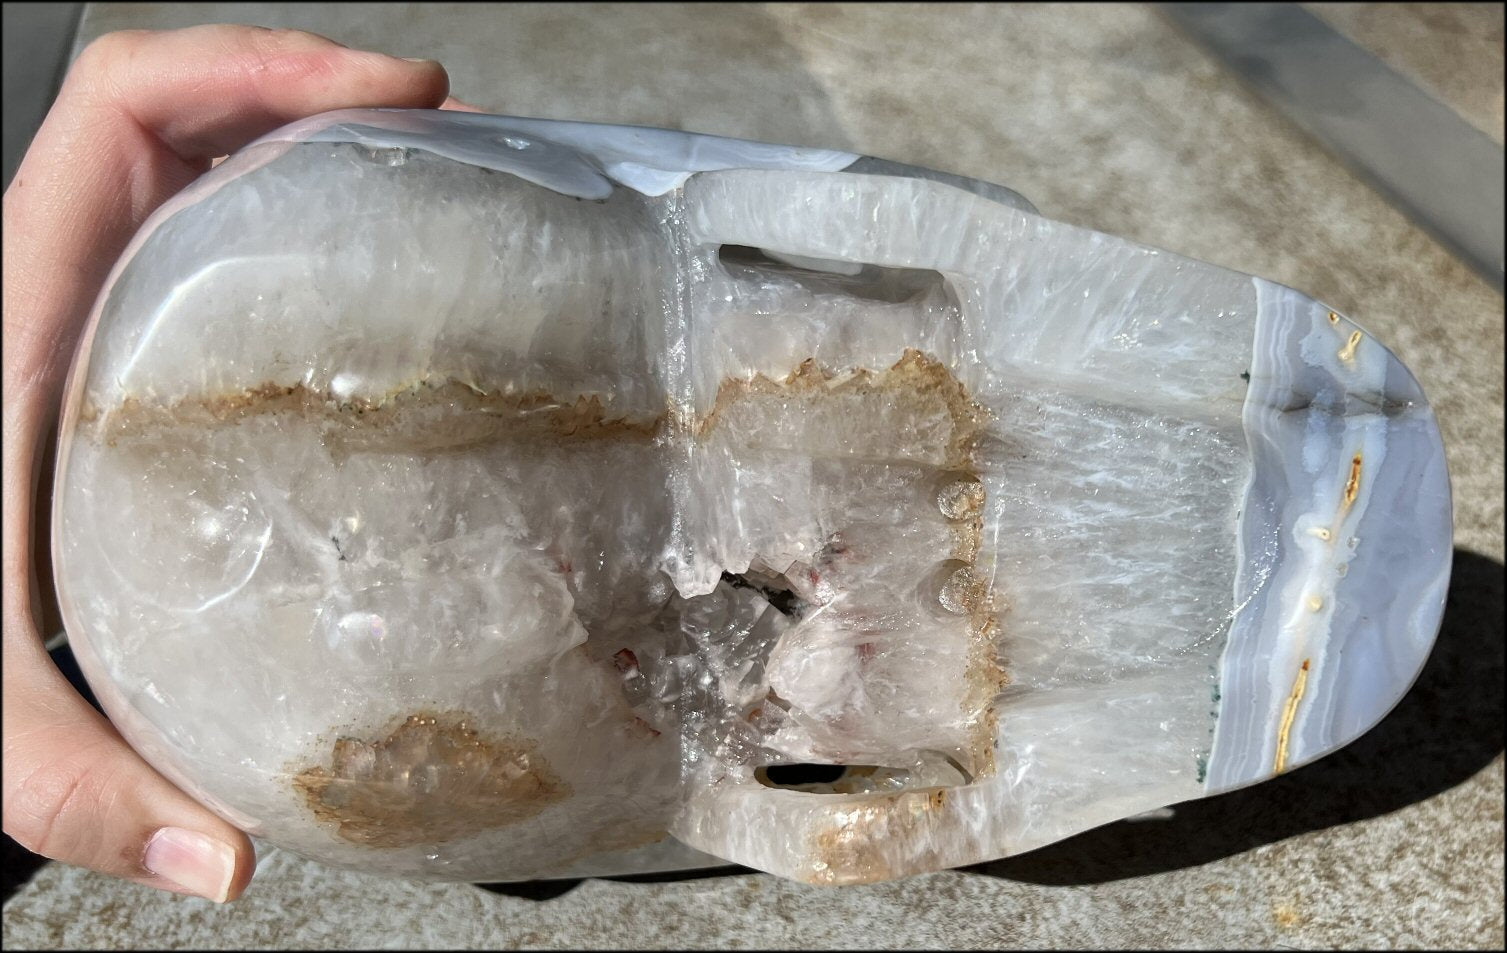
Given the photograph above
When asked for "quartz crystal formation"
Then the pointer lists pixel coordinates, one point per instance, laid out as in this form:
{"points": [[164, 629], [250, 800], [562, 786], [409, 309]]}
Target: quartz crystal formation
{"points": [[478, 498]]}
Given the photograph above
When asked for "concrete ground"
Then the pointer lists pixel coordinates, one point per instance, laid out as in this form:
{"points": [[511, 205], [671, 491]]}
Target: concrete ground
{"points": [[37, 37], [1104, 116]]}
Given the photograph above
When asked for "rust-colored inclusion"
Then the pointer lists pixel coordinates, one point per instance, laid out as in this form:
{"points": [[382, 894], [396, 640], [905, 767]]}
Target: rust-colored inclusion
{"points": [[434, 778], [430, 780]]}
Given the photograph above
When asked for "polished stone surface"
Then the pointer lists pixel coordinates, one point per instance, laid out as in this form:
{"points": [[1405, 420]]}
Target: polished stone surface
{"points": [[1107, 118], [1080, 552]]}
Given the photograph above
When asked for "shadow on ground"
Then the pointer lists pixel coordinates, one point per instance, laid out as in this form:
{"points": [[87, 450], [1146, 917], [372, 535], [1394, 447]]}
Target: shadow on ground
{"points": [[1446, 729]]}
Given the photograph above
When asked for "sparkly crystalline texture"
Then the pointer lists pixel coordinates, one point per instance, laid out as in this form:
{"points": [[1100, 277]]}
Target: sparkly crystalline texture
{"points": [[434, 515]]}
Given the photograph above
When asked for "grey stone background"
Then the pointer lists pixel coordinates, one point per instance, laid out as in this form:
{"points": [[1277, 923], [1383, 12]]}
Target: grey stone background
{"points": [[37, 37], [1104, 116]]}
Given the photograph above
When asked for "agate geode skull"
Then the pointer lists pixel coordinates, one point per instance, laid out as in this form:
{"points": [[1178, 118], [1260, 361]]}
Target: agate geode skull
{"points": [[479, 498]]}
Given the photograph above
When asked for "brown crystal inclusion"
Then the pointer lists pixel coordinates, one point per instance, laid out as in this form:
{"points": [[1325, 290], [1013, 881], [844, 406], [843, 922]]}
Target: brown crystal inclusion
{"points": [[426, 417], [867, 843], [434, 778], [917, 378], [430, 780]]}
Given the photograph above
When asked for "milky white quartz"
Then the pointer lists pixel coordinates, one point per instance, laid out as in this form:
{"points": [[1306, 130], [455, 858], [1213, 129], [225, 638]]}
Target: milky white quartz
{"points": [[433, 515]]}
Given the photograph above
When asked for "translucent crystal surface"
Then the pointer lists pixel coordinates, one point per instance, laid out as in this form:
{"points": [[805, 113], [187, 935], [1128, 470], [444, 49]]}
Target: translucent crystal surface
{"points": [[498, 501]]}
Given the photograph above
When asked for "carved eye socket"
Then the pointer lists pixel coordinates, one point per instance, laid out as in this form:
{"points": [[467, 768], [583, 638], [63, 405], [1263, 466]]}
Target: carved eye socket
{"points": [[929, 770], [799, 775]]}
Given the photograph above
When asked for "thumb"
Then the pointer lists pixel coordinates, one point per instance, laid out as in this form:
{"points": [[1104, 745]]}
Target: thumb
{"points": [[460, 105], [77, 793]]}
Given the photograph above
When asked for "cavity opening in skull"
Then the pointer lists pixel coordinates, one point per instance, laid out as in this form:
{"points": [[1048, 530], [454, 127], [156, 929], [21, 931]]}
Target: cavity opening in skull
{"points": [[847, 623]]}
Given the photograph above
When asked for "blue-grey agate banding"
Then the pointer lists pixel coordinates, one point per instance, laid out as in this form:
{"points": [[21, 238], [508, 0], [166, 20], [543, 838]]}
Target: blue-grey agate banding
{"points": [[582, 159], [1352, 589]]}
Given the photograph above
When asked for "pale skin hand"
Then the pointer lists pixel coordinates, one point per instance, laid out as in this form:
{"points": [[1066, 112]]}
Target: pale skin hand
{"points": [[140, 115]]}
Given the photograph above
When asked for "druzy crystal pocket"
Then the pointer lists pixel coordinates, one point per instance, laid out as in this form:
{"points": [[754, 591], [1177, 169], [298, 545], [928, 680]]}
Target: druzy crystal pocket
{"points": [[479, 498]]}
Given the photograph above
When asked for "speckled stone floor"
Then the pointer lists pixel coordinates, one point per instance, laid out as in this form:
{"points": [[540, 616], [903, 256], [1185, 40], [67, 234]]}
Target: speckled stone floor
{"points": [[1104, 116]]}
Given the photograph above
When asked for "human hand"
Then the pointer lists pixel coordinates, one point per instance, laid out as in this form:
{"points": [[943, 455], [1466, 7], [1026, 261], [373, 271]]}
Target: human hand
{"points": [[139, 116]]}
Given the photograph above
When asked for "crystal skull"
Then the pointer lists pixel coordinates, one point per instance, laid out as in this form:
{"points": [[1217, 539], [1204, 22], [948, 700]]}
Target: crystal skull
{"points": [[478, 498]]}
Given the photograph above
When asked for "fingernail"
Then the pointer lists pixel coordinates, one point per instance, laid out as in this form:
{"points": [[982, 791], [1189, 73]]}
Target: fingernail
{"points": [[418, 59], [199, 864]]}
